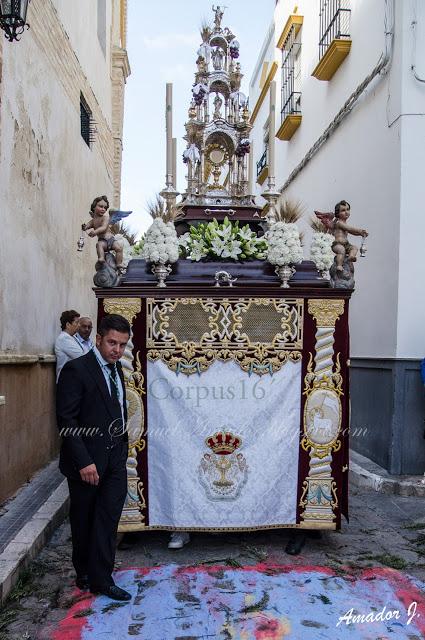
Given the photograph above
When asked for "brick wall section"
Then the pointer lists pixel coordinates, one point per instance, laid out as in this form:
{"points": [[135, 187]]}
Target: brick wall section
{"points": [[49, 34]]}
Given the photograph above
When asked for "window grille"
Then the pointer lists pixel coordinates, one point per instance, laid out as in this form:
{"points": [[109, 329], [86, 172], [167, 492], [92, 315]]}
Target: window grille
{"points": [[262, 163], [291, 74], [334, 22], [87, 124]]}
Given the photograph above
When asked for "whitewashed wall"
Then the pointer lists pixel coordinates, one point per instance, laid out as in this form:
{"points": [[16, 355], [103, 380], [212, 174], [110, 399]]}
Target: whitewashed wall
{"points": [[48, 175], [411, 122], [374, 160], [82, 26]]}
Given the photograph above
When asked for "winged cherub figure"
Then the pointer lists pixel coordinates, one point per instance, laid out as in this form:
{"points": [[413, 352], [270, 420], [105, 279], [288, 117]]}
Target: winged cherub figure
{"points": [[337, 223], [100, 227]]}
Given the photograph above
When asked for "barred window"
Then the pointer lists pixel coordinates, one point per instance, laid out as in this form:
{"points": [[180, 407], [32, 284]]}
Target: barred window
{"points": [[291, 74], [334, 22], [86, 121], [263, 161]]}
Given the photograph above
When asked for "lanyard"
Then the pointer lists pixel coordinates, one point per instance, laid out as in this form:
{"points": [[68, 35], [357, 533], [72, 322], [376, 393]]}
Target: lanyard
{"points": [[79, 343]]}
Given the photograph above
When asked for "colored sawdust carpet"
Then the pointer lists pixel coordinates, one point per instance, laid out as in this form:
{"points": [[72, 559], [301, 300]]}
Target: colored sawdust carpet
{"points": [[261, 602]]}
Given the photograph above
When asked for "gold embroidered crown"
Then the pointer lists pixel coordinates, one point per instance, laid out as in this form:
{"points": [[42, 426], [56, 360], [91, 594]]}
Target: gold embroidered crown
{"points": [[223, 442]]}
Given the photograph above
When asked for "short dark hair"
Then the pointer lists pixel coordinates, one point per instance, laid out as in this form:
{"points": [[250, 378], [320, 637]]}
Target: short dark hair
{"points": [[113, 321], [96, 200], [68, 316], [338, 206]]}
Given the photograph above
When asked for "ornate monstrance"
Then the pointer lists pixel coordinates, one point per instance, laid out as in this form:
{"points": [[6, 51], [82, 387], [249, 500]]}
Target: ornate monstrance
{"points": [[217, 131]]}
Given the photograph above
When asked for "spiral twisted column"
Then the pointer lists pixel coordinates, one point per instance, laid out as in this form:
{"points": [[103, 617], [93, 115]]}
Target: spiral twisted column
{"points": [[132, 516], [322, 419]]}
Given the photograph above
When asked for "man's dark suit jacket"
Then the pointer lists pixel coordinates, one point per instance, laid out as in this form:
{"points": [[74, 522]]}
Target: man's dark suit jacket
{"points": [[83, 401]]}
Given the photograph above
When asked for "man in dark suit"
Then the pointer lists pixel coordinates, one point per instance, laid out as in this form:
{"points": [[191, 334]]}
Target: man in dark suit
{"points": [[91, 415]]}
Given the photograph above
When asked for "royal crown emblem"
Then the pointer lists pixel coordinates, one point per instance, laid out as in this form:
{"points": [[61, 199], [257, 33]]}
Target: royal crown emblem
{"points": [[223, 443], [223, 473]]}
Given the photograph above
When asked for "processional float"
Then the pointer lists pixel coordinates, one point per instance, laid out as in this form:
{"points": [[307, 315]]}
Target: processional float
{"points": [[237, 366]]}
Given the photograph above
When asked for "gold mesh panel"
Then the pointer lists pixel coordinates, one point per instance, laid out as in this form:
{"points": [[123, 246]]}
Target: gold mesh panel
{"points": [[188, 322], [263, 323]]}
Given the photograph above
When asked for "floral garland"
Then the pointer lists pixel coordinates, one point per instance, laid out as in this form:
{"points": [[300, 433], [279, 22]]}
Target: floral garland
{"points": [[284, 244], [221, 241], [160, 243], [321, 250]]}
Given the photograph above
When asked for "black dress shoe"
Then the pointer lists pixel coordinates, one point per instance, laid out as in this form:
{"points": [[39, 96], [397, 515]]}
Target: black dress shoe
{"points": [[295, 544], [82, 582], [114, 592]]}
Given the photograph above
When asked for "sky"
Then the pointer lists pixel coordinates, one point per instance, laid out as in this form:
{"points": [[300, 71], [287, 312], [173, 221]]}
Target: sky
{"points": [[162, 41]]}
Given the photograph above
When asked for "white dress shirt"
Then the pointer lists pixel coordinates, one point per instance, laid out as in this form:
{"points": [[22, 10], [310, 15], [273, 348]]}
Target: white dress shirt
{"points": [[66, 348], [107, 375], [86, 344]]}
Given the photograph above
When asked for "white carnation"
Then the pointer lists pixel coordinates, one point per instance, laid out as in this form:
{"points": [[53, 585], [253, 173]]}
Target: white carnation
{"points": [[321, 250], [284, 244], [161, 243]]}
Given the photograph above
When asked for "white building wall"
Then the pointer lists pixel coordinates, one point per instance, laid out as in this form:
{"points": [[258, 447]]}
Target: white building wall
{"points": [[48, 175], [81, 20], [369, 160], [411, 123]]}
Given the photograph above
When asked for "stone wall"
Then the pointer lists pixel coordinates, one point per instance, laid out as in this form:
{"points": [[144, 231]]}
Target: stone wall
{"points": [[48, 179]]}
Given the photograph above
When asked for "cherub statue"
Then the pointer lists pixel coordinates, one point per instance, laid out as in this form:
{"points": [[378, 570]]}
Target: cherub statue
{"points": [[337, 223], [99, 226]]}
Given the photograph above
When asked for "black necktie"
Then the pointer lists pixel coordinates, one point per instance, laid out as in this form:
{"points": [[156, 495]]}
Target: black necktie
{"points": [[116, 428], [113, 382]]}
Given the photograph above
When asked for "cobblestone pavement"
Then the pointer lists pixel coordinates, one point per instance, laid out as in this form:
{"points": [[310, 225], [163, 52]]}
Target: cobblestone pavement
{"points": [[384, 531]]}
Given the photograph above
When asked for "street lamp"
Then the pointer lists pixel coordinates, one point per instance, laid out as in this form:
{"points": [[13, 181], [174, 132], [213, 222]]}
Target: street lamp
{"points": [[13, 15]]}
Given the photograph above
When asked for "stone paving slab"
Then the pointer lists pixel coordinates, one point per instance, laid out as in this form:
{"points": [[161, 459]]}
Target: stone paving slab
{"points": [[29, 499], [29, 540]]}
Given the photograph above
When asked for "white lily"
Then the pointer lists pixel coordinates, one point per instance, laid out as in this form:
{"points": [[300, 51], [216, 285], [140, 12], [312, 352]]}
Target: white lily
{"points": [[232, 250]]}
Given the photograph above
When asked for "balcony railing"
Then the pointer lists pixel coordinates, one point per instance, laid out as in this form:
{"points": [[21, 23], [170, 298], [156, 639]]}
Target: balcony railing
{"points": [[334, 22], [262, 163], [292, 105]]}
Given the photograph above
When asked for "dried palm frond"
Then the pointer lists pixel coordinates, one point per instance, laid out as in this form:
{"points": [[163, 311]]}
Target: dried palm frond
{"points": [[318, 226], [120, 229], [288, 210], [205, 30], [158, 208]]}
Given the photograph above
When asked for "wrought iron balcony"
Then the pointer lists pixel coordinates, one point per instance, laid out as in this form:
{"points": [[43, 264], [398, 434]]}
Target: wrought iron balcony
{"points": [[292, 104], [335, 42], [334, 22]]}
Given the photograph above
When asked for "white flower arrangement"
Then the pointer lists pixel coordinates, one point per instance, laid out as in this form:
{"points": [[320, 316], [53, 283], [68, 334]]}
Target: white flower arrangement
{"points": [[161, 243], [321, 250], [222, 241], [284, 244]]}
